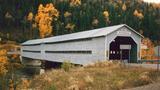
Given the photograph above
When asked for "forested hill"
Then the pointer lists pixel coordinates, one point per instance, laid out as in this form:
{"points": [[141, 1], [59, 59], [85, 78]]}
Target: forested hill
{"points": [[79, 15]]}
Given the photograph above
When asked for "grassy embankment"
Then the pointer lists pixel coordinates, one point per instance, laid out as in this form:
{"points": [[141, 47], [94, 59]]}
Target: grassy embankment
{"points": [[99, 76]]}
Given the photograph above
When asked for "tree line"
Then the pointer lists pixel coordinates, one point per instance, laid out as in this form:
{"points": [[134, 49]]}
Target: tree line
{"points": [[78, 15]]}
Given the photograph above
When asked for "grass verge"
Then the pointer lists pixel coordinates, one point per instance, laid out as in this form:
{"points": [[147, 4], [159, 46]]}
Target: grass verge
{"points": [[98, 76]]}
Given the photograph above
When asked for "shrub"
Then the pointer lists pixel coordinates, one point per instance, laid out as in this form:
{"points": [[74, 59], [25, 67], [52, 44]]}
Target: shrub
{"points": [[66, 66], [52, 87]]}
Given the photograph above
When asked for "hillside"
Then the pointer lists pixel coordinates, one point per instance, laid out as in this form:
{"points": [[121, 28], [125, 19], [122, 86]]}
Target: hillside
{"points": [[78, 15]]}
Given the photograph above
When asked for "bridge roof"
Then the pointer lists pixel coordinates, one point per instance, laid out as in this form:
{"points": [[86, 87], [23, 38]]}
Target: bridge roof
{"points": [[79, 35]]}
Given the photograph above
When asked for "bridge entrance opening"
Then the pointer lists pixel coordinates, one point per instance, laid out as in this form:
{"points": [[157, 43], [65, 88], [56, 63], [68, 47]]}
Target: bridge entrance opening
{"points": [[123, 48]]}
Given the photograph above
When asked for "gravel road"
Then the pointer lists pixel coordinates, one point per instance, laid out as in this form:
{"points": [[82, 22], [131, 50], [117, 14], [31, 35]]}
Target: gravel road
{"points": [[155, 86]]}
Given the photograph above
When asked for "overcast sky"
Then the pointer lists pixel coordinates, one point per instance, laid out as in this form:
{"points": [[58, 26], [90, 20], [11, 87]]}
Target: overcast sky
{"points": [[152, 1]]}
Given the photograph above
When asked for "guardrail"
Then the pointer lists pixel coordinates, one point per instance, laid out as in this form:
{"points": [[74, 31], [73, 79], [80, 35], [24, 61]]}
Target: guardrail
{"points": [[14, 52], [150, 61]]}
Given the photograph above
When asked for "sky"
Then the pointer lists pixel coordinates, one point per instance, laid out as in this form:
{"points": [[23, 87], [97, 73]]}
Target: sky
{"points": [[152, 1]]}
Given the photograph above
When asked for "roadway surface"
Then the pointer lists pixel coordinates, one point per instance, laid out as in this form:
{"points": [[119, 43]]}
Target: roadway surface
{"points": [[149, 66]]}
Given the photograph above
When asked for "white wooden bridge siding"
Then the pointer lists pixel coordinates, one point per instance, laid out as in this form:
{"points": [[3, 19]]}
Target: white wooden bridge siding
{"points": [[31, 54], [96, 45], [97, 41], [133, 35]]}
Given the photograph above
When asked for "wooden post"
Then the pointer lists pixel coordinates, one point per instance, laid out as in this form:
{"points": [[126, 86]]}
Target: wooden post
{"points": [[121, 55], [129, 57], [158, 60]]}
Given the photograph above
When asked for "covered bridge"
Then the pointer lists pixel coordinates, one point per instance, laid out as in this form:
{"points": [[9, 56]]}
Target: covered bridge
{"points": [[119, 42]]}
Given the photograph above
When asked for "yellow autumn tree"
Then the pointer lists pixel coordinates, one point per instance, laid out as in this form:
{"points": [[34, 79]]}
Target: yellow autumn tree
{"points": [[149, 52], [138, 14], [30, 16], [3, 61], [44, 18], [3, 67], [75, 2], [8, 64], [124, 8], [106, 16], [156, 5], [67, 14], [95, 22], [70, 27], [11, 84], [30, 19]]}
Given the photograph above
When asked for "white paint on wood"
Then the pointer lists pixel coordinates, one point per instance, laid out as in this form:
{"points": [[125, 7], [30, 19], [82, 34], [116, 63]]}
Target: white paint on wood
{"points": [[125, 47], [98, 43]]}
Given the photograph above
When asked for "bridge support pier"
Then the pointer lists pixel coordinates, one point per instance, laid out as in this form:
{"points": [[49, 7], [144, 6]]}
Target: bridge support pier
{"points": [[39, 66], [31, 62], [32, 66]]}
